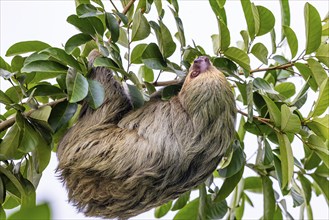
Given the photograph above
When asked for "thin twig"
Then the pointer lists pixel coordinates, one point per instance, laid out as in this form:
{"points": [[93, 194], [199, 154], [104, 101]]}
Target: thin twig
{"points": [[128, 6], [263, 120], [9, 122], [280, 67], [115, 7], [166, 83]]}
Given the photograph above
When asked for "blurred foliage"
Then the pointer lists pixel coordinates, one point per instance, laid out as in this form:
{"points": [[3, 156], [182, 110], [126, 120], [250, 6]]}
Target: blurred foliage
{"points": [[40, 110]]}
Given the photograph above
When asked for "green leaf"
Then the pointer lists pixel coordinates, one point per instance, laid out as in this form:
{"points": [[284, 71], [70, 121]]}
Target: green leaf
{"points": [[77, 86], [322, 103], [256, 17], [262, 84], [36, 56], [136, 96], [292, 40], [248, 14], [318, 72], [75, 41], [285, 16], [170, 91], [36, 212], [313, 28], [218, 8], [113, 26], [269, 200], [63, 57], [180, 33], [274, 111], [162, 210], [245, 37], [268, 155], [301, 97], [5, 99], [109, 63], [181, 201], [241, 131], [45, 90], [158, 5], [306, 188], [228, 186], [322, 54], [136, 54], [26, 47], [42, 155], [273, 41], [88, 25], [266, 19], [189, 212], [323, 184], [61, 114], [298, 199], [146, 73], [216, 210], [238, 56], [10, 143], [166, 43], [96, 94], [286, 89], [253, 184], [30, 139], [225, 65], [260, 51], [87, 10], [140, 28], [153, 58], [322, 170], [307, 74], [4, 65], [317, 144], [287, 159], [239, 211], [289, 121], [122, 17], [44, 66], [320, 126], [224, 36], [236, 163]]}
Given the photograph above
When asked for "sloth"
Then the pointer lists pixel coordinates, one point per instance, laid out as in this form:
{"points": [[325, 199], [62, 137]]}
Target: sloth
{"points": [[118, 162]]}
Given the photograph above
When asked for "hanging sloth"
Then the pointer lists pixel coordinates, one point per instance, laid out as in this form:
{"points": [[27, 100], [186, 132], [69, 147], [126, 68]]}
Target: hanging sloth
{"points": [[117, 162]]}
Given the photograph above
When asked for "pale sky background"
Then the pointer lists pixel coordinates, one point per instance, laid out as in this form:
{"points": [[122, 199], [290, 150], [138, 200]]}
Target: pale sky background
{"points": [[46, 21]]}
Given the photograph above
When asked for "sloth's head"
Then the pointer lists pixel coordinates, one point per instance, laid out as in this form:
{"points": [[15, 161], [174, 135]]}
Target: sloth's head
{"points": [[202, 72], [199, 66]]}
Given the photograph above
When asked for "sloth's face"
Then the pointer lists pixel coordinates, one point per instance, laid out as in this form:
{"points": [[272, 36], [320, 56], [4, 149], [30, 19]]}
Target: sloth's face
{"points": [[200, 65]]}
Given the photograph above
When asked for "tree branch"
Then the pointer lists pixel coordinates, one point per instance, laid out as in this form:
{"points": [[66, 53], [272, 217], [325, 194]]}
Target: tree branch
{"points": [[9, 122], [166, 83], [284, 66], [128, 6], [263, 120]]}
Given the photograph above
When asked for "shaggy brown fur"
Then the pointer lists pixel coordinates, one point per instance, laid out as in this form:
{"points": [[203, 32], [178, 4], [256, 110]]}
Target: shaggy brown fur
{"points": [[119, 162]]}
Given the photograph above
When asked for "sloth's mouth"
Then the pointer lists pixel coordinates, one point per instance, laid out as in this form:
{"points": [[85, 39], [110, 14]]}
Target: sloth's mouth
{"points": [[195, 73]]}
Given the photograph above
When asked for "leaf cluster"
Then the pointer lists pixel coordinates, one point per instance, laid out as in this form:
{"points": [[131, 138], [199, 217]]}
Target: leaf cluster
{"points": [[49, 84]]}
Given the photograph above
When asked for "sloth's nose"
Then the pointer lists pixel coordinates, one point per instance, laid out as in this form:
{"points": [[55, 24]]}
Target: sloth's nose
{"points": [[200, 59]]}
